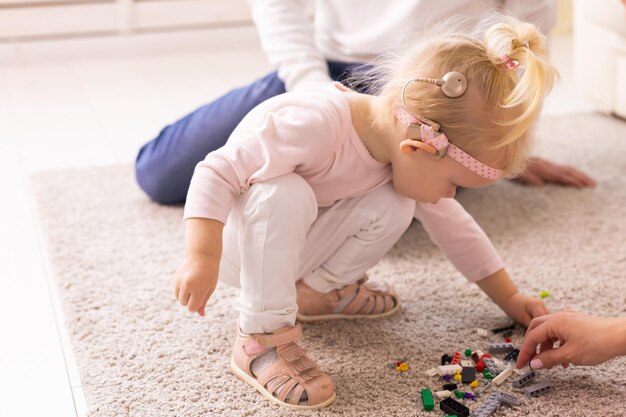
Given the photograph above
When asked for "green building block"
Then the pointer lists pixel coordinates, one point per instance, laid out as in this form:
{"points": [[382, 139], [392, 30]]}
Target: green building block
{"points": [[468, 353], [427, 399], [487, 374]]}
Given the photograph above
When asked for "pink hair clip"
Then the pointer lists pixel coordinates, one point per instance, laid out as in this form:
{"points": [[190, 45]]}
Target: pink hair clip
{"points": [[439, 144], [510, 65]]}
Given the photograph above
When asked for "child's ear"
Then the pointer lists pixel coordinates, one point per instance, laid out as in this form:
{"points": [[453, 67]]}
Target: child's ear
{"points": [[411, 145], [408, 145]]}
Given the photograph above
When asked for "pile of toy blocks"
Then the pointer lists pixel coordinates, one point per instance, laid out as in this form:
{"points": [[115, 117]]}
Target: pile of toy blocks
{"points": [[468, 374]]}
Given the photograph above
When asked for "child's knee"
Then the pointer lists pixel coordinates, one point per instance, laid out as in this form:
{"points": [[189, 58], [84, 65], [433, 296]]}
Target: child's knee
{"points": [[286, 197]]}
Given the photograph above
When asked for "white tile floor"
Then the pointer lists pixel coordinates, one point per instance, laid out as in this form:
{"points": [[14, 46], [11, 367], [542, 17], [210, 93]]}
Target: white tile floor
{"points": [[94, 102]]}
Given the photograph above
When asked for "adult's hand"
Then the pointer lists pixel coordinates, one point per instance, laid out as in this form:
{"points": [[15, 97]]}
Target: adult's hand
{"points": [[583, 339], [541, 171]]}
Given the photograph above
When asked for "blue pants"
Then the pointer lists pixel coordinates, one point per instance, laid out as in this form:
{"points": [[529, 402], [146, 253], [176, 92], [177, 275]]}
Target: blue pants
{"points": [[164, 165]]}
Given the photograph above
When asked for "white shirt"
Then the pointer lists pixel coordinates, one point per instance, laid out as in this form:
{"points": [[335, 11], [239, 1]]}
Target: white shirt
{"points": [[359, 30]]}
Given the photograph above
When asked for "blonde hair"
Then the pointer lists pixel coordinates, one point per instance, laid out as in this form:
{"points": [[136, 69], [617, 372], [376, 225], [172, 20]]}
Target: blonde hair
{"points": [[500, 105]]}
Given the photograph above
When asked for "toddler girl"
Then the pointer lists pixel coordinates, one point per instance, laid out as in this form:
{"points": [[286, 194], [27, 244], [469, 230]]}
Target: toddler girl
{"points": [[314, 187]]}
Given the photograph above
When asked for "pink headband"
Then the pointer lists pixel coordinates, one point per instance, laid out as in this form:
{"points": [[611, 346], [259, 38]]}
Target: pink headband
{"points": [[443, 147]]}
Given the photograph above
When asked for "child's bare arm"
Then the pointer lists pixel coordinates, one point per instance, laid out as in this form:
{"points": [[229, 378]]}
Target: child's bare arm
{"points": [[196, 277], [521, 308]]}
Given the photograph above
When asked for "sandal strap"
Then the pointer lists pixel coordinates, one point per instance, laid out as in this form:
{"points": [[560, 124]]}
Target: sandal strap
{"points": [[259, 343]]}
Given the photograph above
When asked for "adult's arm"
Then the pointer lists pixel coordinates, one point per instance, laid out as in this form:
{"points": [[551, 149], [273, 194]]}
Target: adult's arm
{"points": [[287, 37]]}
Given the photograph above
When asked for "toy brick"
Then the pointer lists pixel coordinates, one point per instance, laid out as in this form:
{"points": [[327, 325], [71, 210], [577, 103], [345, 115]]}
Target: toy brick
{"points": [[446, 359], [491, 404], [500, 347], [503, 376], [427, 399], [450, 387], [452, 406], [512, 356], [482, 332], [449, 369], [443, 394], [468, 374], [522, 380], [432, 372], [537, 389], [456, 358], [466, 363], [508, 399], [491, 365]]}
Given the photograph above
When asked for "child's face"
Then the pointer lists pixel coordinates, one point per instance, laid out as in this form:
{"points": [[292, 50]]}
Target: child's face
{"points": [[419, 176]]}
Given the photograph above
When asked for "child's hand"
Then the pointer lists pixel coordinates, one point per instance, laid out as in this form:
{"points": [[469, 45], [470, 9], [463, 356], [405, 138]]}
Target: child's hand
{"points": [[195, 280], [584, 340], [522, 308]]}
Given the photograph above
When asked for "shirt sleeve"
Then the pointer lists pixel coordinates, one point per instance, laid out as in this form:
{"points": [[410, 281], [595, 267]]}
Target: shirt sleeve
{"points": [[268, 143], [287, 37], [460, 238]]}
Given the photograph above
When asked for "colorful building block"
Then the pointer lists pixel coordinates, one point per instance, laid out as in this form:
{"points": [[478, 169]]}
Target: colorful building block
{"points": [[488, 407], [452, 406], [450, 387], [468, 374], [524, 379], [482, 332], [544, 294], [537, 389], [432, 372], [503, 376], [449, 369], [491, 365], [500, 347], [446, 359], [456, 358], [443, 394], [512, 355], [508, 399], [474, 383], [427, 400], [465, 363]]}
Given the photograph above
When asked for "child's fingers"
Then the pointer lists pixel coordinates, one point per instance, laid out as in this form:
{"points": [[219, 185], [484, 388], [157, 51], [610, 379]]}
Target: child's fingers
{"points": [[202, 310], [194, 304], [183, 296]]}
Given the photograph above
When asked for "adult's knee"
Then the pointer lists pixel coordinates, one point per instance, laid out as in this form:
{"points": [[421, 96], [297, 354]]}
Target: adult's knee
{"points": [[159, 183]]}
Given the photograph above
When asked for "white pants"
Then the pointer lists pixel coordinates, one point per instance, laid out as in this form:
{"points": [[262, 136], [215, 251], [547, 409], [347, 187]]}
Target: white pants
{"points": [[276, 234]]}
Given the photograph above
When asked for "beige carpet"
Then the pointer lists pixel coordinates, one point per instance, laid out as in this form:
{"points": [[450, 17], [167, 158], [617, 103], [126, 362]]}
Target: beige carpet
{"points": [[140, 354]]}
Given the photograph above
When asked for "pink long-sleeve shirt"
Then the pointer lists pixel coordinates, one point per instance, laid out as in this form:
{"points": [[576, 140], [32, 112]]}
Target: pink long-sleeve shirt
{"points": [[311, 133]]}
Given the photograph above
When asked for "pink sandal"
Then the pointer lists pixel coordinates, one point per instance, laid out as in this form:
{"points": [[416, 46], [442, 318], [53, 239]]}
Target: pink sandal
{"points": [[292, 379], [363, 299]]}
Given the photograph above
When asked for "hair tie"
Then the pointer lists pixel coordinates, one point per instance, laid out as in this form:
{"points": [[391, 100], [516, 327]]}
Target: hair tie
{"points": [[510, 65]]}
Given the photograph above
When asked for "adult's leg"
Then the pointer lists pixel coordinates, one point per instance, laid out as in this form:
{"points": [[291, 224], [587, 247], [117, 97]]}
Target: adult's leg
{"points": [[164, 165]]}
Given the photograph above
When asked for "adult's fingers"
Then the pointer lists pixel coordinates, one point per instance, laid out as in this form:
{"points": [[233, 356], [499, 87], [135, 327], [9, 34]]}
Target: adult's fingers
{"points": [[538, 335], [552, 357], [583, 179], [528, 177]]}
